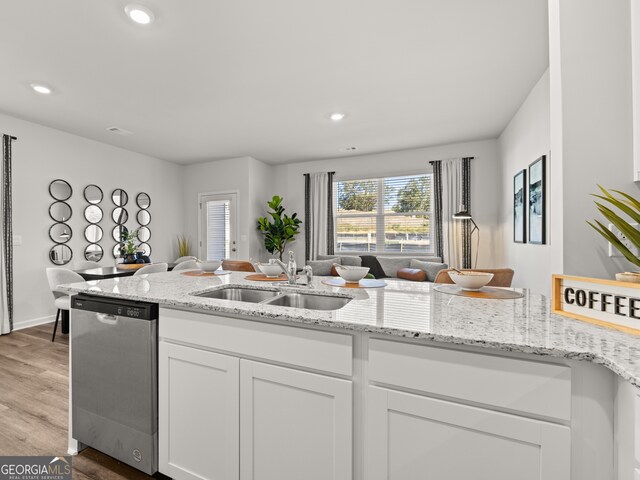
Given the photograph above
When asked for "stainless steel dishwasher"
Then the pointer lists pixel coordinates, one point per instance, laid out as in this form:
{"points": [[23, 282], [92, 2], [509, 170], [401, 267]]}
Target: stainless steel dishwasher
{"points": [[114, 378]]}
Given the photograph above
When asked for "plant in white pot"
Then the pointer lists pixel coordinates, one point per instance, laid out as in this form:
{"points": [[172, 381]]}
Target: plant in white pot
{"points": [[629, 207]]}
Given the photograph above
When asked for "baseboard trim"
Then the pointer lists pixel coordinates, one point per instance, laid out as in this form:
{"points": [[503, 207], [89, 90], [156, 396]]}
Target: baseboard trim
{"points": [[33, 322]]}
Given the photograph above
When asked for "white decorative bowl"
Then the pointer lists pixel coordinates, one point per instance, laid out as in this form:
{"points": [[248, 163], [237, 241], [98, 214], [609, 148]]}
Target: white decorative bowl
{"points": [[471, 280], [351, 274], [209, 266], [271, 270]]}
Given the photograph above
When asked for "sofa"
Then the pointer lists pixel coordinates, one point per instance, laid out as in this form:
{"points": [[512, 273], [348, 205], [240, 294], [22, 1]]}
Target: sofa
{"points": [[418, 268]]}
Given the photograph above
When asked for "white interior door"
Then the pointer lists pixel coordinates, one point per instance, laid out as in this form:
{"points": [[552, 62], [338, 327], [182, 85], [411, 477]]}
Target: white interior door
{"points": [[218, 229]]}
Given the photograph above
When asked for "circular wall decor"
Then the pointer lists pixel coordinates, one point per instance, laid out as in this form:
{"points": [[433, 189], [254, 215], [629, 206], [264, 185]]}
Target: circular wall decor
{"points": [[116, 249], [60, 211], [60, 233], [93, 233], [143, 217], [119, 197], [93, 252], [143, 200], [60, 254], [146, 248], [93, 213], [118, 231], [60, 190], [93, 194], [144, 234], [120, 215]]}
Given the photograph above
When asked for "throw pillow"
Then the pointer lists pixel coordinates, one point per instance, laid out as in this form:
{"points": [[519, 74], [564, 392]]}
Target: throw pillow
{"points": [[374, 266], [413, 274], [322, 268], [351, 261], [430, 268], [391, 265]]}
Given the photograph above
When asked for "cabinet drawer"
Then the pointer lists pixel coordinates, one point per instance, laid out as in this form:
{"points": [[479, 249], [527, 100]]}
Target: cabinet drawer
{"points": [[302, 347], [510, 383]]}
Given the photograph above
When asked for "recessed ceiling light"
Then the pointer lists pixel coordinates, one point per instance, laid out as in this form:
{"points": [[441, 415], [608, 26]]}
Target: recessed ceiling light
{"points": [[139, 14], [348, 149], [336, 117], [40, 88]]}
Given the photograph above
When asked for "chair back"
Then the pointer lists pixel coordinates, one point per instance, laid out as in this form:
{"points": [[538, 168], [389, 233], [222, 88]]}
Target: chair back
{"points": [[502, 277], [188, 265], [86, 265], [238, 266], [153, 268], [184, 259], [61, 276]]}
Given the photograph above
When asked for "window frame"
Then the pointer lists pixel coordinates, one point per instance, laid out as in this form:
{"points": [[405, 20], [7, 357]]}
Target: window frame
{"points": [[380, 217]]}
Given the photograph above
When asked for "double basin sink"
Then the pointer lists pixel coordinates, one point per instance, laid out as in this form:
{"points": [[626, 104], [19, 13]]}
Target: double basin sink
{"points": [[311, 301]]}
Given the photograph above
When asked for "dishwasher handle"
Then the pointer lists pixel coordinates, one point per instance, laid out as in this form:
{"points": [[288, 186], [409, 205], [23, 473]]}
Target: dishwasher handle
{"points": [[107, 319]]}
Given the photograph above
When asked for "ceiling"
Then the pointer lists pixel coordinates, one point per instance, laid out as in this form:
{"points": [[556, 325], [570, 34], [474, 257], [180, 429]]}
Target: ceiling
{"points": [[212, 79]]}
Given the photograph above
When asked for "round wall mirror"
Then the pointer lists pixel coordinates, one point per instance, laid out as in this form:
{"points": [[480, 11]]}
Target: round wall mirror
{"points": [[144, 234], [60, 190], [118, 231], [93, 253], [60, 254], [93, 233], [93, 194], [93, 213], [143, 200], [116, 249], [146, 249], [120, 215], [143, 217], [60, 233], [60, 211], [119, 197]]}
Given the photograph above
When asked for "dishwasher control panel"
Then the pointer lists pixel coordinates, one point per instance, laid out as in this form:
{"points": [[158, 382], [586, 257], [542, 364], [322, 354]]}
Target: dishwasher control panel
{"points": [[111, 306]]}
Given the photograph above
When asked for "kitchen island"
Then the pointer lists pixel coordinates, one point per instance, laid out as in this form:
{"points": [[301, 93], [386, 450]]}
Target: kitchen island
{"points": [[400, 381]]}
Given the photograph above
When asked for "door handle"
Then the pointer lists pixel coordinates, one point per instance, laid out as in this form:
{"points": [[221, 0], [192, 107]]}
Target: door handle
{"points": [[107, 319]]}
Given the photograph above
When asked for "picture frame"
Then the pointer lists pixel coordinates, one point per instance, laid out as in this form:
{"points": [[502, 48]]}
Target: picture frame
{"points": [[538, 202], [519, 207]]}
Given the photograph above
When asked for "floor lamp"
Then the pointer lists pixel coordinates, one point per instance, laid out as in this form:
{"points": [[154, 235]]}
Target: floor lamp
{"points": [[464, 214]]}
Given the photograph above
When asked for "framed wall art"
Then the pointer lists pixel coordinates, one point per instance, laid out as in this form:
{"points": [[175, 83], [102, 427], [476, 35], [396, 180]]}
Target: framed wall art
{"points": [[537, 201], [519, 207]]}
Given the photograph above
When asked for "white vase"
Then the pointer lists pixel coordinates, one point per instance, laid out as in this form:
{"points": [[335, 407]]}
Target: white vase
{"points": [[631, 277]]}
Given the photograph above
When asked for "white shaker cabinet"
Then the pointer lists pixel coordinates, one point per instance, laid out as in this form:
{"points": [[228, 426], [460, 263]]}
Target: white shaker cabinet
{"points": [[416, 437], [294, 425], [198, 413]]}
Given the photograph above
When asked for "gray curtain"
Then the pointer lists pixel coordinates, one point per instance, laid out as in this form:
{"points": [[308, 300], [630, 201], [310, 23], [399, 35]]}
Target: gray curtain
{"points": [[318, 212], [6, 248]]}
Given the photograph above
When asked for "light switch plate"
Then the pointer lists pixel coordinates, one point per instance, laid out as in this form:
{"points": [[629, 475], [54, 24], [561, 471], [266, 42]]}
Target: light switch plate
{"points": [[615, 253], [17, 240]]}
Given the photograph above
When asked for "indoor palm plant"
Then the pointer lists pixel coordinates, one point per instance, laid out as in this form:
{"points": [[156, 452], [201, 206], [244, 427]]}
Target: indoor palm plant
{"points": [[629, 207], [280, 229]]}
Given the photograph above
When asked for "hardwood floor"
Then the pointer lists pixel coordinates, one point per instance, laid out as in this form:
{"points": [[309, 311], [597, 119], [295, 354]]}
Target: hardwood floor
{"points": [[34, 382]]}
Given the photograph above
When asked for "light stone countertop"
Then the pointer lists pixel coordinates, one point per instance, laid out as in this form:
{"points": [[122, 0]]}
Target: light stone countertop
{"points": [[403, 309]]}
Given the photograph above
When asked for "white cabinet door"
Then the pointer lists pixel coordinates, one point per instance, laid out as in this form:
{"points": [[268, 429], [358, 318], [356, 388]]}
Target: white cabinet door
{"points": [[413, 437], [198, 414], [293, 425]]}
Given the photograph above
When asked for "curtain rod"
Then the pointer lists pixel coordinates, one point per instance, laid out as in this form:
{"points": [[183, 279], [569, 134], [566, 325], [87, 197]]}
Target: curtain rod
{"points": [[310, 174], [464, 158]]}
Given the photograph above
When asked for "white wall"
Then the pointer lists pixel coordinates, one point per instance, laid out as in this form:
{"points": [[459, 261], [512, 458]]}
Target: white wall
{"points": [[591, 124], [247, 176], [525, 139], [41, 155], [485, 175]]}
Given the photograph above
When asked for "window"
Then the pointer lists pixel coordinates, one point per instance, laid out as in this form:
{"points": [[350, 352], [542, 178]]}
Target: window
{"points": [[391, 215]]}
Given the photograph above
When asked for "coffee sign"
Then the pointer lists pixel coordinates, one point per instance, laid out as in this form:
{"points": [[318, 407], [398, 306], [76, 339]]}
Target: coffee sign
{"points": [[603, 302]]}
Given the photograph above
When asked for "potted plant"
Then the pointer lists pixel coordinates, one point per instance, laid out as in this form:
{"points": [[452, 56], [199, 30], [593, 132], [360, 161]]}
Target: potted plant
{"points": [[280, 229], [630, 207], [129, 246], [184, 246]]}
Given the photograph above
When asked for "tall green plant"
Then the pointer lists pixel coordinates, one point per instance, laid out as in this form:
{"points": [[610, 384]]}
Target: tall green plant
{"points": [[280, 229], [630, 207], [184, 246]]}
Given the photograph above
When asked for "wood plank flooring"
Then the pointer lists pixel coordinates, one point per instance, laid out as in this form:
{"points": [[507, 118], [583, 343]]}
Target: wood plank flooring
{"points": [[34, 383]]}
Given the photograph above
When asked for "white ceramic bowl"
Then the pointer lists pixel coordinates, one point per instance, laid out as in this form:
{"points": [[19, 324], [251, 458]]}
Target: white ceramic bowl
{"points": [[471, 280], [209, 266], [351, 274], [271, 270]]}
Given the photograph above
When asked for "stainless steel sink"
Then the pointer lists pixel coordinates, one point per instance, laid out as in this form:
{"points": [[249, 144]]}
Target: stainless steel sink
{"points": [[239, 294], [309, 300]]}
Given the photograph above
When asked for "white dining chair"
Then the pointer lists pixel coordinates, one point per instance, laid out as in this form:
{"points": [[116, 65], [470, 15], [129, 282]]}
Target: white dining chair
{"points": [[60, 276], [85, 265], [153, 268], [188, 265], [184, 259]]}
